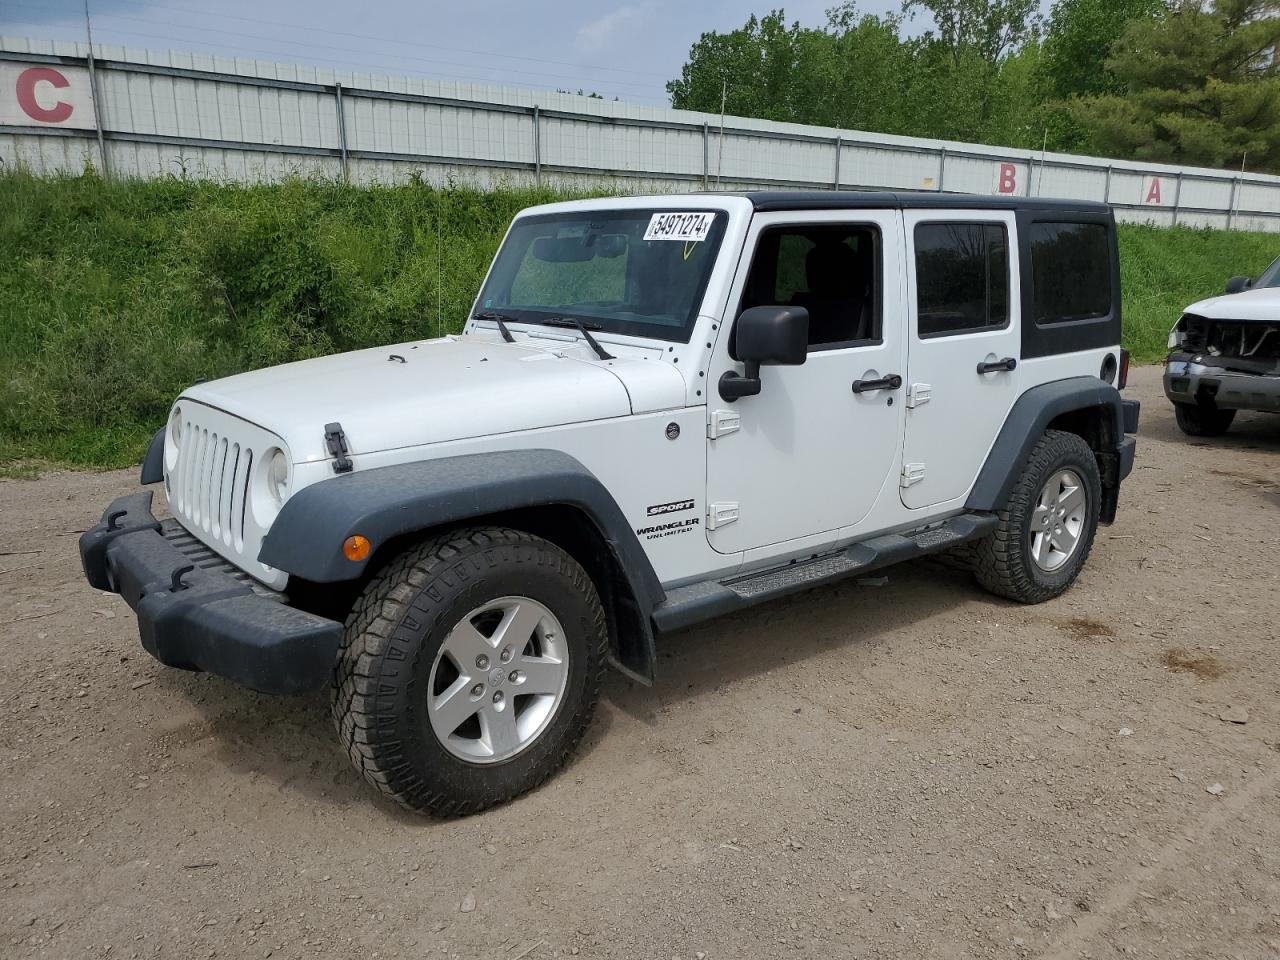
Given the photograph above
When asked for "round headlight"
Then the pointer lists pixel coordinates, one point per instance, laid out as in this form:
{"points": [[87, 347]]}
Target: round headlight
{"points": [[278, 476], [173, 443], [175, 426]]}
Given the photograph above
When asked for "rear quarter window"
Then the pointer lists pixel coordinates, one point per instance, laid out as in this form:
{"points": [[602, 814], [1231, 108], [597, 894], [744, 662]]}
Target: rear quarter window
{"points": [[1071, 271]]}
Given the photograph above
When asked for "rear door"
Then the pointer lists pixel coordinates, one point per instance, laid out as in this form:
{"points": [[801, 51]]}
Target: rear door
{"points": [[963, 347]]}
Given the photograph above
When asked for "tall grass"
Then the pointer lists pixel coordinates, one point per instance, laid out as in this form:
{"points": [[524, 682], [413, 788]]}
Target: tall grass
{"points": [[116, 295]]}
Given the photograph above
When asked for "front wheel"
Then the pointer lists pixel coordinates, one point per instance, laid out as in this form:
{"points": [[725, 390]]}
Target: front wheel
{"points": [[469, 670], [1202, 420], [1046, 529]]}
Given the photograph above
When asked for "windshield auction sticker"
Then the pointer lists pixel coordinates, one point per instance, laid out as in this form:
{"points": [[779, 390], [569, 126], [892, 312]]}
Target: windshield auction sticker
{"points": [[679, 225]]}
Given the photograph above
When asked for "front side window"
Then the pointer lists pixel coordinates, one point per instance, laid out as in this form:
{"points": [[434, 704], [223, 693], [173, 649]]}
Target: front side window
{"points": [[832, 270], [1270, 276], [636, 272], [1071, 271], [962, 277]]}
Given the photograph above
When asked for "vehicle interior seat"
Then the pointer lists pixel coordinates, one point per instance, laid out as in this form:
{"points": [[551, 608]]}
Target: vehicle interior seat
{"points": [[837, 298]]}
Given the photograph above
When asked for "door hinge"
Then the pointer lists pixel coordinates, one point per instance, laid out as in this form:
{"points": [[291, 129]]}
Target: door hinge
{"points": [[719, 514], [722, 422], [912, 473], [917, 394]]}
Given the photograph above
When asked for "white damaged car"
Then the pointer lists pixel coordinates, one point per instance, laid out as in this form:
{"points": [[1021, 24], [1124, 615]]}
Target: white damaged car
{"points": [[1224, 355]]}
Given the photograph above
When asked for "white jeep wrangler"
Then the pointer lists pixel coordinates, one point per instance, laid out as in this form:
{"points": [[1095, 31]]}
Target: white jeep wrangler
{"points": [[661, 409]]}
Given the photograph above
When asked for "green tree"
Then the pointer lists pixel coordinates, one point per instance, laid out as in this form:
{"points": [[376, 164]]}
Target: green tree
{"points": [[989, 28], [857, 73], [1078, 39], [1192, 82], [866, 79], [761, 69], [1016, 111], [1199, 84], [966, 61]]}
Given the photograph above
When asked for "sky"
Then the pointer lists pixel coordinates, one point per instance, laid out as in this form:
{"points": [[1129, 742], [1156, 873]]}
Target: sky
{"points": [[620, 48]]}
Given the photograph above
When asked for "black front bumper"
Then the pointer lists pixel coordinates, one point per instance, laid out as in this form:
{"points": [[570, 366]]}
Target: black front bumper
{"points": [[198, 617]]}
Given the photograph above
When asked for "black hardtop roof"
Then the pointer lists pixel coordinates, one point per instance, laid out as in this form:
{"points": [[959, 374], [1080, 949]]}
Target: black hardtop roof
{"points": [[769, 200]]}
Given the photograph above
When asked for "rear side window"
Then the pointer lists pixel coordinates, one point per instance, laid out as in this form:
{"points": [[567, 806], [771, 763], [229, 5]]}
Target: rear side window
{"points": [[962, 277], [1071, 271]]}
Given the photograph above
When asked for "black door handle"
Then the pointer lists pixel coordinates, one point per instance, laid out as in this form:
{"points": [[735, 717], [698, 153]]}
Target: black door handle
{"points": [[1008, 363], [891, 382]]}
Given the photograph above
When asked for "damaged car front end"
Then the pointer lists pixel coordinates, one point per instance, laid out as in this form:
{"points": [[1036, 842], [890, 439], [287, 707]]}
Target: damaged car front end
{"points": [[1224, 356]]}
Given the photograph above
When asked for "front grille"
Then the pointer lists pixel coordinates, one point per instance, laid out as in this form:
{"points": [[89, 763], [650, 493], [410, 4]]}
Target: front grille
{"points": [[211, 483], [215, 485], [1232, 339]]}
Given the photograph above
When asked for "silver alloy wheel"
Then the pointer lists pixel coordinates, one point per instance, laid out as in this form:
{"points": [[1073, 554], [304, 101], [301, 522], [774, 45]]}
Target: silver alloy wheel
{"points": [[1057, 522], [498, 679]]}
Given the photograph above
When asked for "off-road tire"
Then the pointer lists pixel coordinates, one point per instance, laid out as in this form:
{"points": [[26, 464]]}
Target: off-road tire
{"points": [[390, 643], [1202, 420], [1003, 563]]}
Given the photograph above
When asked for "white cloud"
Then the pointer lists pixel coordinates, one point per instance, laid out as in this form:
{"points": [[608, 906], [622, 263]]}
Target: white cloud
{"points": [[603, 30]]}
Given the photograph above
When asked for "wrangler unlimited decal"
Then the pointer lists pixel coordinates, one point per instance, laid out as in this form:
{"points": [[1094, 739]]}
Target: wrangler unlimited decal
{"points": [[667, 529]]}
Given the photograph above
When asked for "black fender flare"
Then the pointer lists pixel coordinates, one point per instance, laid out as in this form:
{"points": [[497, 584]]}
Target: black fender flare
{"points": [[1027, 421], [153, 462], [385, 503]]}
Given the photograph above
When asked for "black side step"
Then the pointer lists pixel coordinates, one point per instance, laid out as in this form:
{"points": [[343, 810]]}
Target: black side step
{"points": [[696, 602]]}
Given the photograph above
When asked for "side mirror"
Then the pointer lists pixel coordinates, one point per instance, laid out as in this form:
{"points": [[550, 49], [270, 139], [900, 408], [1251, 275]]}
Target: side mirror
{"points": [[778, 335], [1238, 284]]}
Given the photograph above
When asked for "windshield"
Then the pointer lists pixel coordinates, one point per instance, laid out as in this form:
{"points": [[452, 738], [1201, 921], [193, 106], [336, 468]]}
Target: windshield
{"points": [[637, 272], [1270, 276]]}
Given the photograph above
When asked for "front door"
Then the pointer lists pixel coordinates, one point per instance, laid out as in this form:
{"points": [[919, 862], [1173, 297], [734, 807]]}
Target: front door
{"points": [[964, 348], [810, 454]]}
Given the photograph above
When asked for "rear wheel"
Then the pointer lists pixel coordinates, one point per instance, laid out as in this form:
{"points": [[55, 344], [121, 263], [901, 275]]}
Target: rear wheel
{"points": [[1047, 527], [1202, 420], [470, 669]]}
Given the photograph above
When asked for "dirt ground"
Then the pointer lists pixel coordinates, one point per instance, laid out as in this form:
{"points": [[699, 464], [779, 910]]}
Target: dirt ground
{"points": [[912, 770]]}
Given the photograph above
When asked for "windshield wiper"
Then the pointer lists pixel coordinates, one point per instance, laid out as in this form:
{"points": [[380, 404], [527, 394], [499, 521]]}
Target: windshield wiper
{"points": [[497, 318], [583, 329]]}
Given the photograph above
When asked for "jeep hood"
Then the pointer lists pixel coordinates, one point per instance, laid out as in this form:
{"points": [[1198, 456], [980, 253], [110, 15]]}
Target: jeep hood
{"points": [[1262, 306], [433, 391]]}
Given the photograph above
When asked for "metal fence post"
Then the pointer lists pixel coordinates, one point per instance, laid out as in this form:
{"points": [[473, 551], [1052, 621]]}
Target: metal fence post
{"points": [[537, 145], [93, 96], [1231, 204], [942, 168], [1177, 196], [706, 155], [342, 130], [836, 181], [1106, 187]]}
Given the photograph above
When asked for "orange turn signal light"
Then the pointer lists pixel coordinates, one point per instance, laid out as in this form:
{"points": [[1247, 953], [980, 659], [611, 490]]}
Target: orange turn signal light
{"points": [[356, 548]]}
